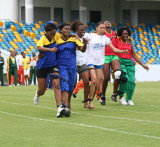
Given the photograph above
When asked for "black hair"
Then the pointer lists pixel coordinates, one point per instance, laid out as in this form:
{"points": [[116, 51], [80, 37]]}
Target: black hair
{"points": [[121, 29], [62, 26], [22, 53], [50, 26], [75, 24], [99, 23]]}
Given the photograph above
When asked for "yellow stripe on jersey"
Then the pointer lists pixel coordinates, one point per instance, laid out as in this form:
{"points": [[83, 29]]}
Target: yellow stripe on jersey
{"points": [[59, 41], [44, 41]]}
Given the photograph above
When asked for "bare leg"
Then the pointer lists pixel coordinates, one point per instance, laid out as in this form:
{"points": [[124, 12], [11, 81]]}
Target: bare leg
{"points": [[69, 99], [85, 78], [57, 91], [106, 73], [41, 86], [92, 86], [99, 90], [95, 78], [65, 97], [115, 66]]}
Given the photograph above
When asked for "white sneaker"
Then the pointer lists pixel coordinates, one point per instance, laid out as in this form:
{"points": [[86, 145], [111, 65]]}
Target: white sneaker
{"points": [[123, 101], [67, 112], [130, 102], [60, 111], [36, 99]]}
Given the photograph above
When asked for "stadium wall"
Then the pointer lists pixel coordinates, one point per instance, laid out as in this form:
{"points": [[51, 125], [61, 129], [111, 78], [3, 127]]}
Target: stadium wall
{"points": [[112, 10]]}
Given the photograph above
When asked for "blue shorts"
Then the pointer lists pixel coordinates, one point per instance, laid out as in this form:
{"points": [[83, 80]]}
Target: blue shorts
{"points": [[95, 66], [67, 78]]}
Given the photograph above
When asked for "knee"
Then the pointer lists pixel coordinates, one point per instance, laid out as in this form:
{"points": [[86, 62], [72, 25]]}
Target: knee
{"points": [[117, 74], [56, 86], [86, 83], [94, 81], [101, 80], [106, 79]]}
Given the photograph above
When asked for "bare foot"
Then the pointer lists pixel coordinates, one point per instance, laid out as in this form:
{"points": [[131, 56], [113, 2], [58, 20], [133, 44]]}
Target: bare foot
{"points": [[86, 105], [91, 106]]}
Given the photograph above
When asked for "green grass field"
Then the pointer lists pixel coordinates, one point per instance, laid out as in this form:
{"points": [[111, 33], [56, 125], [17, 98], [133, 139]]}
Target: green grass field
{"points": [[23, 124]]}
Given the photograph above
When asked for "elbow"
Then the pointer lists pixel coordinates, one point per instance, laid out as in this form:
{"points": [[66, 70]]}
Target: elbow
{"points": [[83, 50], [39, 48]]}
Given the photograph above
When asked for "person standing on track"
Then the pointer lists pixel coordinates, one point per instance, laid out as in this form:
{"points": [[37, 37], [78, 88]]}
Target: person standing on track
{"points": [[47, 64], [95, 57], [78, 27], [111, 61], [127, 66]]}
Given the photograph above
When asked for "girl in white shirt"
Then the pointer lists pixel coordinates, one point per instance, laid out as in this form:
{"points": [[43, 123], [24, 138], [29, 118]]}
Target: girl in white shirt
{"points": [[95, 57], [78, 27]]}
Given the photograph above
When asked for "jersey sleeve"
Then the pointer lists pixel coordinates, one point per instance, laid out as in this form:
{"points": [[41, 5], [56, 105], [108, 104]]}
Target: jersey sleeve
{"points": [[114, 41], [86, 36], [107, 40], [78, 42], [40, 42], [57, 36]]}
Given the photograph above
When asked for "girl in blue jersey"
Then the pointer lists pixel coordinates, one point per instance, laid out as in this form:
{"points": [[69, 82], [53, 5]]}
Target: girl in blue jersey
{"points": [[66, 60], [47, 64]]}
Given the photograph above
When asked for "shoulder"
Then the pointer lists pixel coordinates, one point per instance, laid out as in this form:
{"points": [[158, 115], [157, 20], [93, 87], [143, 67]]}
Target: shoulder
{"points": [[114, 33], [106, 38], [86, 35], [92, 36], [42, 39], [57, 36]]}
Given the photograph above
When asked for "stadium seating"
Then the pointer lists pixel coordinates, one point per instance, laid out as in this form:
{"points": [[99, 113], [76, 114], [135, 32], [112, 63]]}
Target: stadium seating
{"points": [[145, 39], [20, 36]]}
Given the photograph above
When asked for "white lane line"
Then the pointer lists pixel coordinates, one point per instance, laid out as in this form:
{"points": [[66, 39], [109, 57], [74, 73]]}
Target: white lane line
{"points": [[129, 110], [93, 115], [109, 107], [82, 125], [149, 105]]}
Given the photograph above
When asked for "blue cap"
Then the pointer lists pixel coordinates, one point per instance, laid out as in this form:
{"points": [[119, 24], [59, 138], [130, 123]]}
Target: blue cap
{"points": [[51, 22]]}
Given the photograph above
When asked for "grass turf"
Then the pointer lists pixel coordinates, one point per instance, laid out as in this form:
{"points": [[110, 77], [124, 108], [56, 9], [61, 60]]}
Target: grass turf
{"points": [[23, 124]]}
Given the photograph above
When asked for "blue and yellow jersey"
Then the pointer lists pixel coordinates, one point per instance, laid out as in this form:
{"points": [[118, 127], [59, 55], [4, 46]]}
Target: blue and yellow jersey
{"points": [[49, 58], [66, 54], [26, 63]]}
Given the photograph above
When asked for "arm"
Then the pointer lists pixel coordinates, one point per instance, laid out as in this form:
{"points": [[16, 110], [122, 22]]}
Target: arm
{"points": [[83, 48], [45, 49], [40, 47], [138, 60], [116, 50]]}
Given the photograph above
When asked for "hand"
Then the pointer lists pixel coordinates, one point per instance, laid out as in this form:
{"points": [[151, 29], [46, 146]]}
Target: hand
{"points": [[85, 41], [53, 49], [125, 51], [77, 37], [40, 55], [112, 37], [145, 67]]}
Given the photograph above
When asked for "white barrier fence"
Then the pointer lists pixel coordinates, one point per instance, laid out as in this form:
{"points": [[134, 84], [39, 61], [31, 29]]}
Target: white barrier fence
{"points": [[152, 75], [141, 74]]}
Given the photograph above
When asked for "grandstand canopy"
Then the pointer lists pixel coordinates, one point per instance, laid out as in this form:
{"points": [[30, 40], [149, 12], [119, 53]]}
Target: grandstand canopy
{"points": [[119, 11]]}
